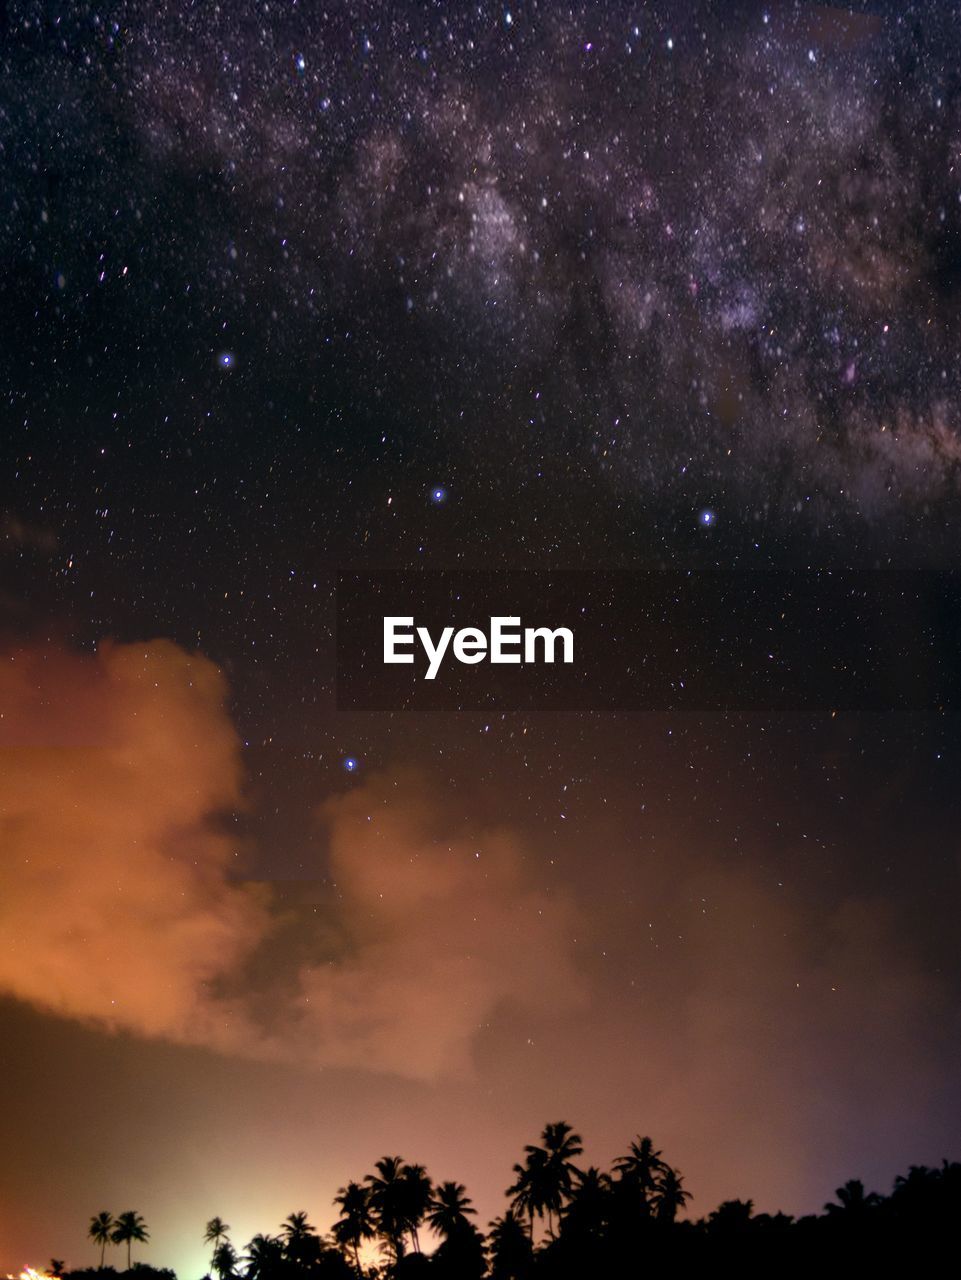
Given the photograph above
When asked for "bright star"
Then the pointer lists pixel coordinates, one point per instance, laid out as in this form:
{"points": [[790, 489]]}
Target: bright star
{"points": [[226, 359], [706, 517], [351, 764], [438, 495]]}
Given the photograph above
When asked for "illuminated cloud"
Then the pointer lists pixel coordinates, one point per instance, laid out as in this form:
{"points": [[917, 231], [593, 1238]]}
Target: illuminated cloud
{"points": [[121, 906], [443, 932], [18, 535], [115, 905]]}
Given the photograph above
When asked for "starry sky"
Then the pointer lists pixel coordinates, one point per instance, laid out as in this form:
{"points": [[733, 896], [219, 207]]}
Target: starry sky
{"points": [[294, 289]]}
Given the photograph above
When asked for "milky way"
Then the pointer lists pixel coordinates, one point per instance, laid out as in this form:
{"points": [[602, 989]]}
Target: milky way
{"points": [[705, 255]]}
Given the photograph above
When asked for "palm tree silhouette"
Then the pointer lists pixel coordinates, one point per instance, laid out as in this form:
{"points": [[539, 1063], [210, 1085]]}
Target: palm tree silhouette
{"points": [[356, 1223], [510, 1248], [387, 1196], [562, 1145], [587, 1211], [731, 1218], [529, 1187], [56, 1268], [216, 1231], [852, 1201], [215, 1234], [264, 1257], [640, 1170], [296, 1226], [545, 1180], [416, 1189], [225, 1260], [301, 1243], [671, 1196], [101, 1226], [449, 1209], [129, 1227]]}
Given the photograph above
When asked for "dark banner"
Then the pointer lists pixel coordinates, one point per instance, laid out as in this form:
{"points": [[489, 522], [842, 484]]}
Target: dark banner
{"points": [[655, 641]]}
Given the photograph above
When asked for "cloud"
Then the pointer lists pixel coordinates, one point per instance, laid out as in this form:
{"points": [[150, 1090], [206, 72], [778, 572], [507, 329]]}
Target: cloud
{"points": [[444, 931], [115, 905], [19, 535], [120, 903]]}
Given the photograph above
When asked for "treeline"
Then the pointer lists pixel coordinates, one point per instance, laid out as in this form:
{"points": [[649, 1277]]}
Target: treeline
{"points": [[564, 1221]]}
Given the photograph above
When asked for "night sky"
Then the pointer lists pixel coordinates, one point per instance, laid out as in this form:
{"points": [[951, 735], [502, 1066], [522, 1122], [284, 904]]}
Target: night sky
{"points": [[291, 289]]}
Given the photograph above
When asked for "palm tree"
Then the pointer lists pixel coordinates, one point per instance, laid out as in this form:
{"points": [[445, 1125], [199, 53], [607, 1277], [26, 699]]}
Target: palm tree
{"points": [[529, 1187], [296, 1227], [356, 1223], [129, 1227], [216, 1232], [101, 1226], [587, 1212], [853, 1203], [301, 1242], [225, 1260], [56, 1268], [416, 1189], [671, 1196], [448, 1209], [561, 1141], [387, 1194], [562, 1145], [511, 1252], [640, 1169], [264, 1257], [545, 1181]]}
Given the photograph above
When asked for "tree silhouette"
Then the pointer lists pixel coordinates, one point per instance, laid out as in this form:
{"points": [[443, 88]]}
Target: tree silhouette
{"points": [[586, 1216], [302, 1245], [529, 1187], [216, 1231], [449, 1208], [602, 1224], [297, 1227], [639, 1171], [390, 1200], [416, 1191], [731, 1217], [671, 1196], [461, 1255], [852, 1204], [129, 1227], [56, 1268], [225, 1260], [357, 1222], [509, 1247], [264, 1257], [100, 1231], [545, 1179]]}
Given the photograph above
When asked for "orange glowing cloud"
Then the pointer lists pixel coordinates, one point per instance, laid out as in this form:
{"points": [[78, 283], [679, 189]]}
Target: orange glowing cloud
{"points": [[443, 932], [118, 905], [115, 905]]}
